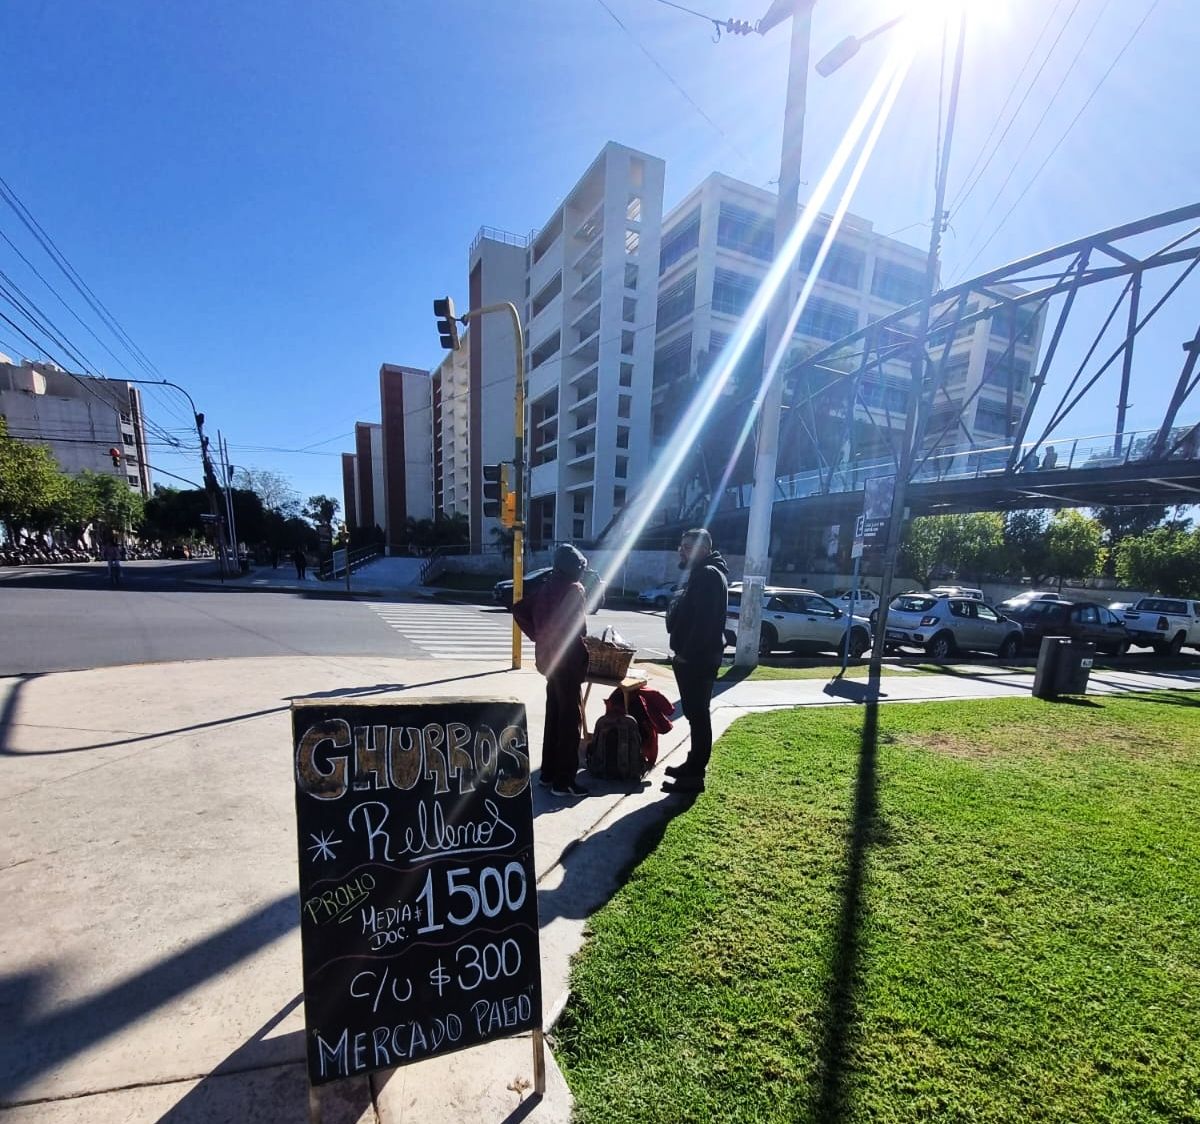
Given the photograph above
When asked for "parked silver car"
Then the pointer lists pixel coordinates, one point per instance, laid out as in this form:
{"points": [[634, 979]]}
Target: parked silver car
{"points": [[800, 619], [945, 625]]}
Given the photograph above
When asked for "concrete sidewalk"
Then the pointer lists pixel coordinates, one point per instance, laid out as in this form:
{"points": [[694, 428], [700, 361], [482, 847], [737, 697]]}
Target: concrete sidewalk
{"points": [[147, 863]]}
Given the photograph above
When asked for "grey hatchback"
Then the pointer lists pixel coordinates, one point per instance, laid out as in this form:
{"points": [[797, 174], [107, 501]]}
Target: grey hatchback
{"points": [[945, 625]]}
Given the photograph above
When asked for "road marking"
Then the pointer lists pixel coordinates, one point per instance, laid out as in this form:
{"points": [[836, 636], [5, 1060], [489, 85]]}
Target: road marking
{"points": [[447, 632]]}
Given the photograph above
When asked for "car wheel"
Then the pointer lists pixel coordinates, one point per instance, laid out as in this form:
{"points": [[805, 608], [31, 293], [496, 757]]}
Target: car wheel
{"points": [[768, 640], [859, 643], [1121, 649], [1174, 646], [1009, 648], [940, 647]]}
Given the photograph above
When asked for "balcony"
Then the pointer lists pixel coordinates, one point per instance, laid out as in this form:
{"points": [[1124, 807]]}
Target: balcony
{"points": [[593, 226], [589, 289], [587, 323], [589, 261], [588, 349], [588, 372]]}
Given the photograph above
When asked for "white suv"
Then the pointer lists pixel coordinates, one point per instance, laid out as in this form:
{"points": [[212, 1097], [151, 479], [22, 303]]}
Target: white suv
{"points": [[944, 625], [800, 618], [862, 602]]}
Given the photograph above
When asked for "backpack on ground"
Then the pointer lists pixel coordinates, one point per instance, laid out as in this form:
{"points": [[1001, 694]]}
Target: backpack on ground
{"points": [[615, 751]]}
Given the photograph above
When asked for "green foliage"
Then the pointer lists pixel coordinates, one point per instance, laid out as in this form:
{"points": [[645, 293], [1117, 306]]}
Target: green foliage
{"points": [[321, 510], [424, 535], [173, 515], [1073, 545], [1166, 561], [971, 544], [32, 486], [982, 911], [1025, 544]]}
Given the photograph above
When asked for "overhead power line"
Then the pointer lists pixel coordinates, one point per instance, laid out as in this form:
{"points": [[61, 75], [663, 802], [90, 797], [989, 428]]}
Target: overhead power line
{"points": [[969, 184], [1066, 132]]}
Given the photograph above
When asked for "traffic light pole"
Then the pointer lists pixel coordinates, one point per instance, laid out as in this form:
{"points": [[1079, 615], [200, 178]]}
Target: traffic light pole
{"points": [[518, 458]]}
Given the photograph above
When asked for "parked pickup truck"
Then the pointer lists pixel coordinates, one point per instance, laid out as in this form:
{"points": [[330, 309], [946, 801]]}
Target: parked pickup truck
{"points": [[1165, 624]]}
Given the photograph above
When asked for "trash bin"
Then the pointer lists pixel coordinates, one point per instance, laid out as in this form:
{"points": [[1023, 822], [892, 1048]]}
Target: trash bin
{"points": [[1063, 667]]}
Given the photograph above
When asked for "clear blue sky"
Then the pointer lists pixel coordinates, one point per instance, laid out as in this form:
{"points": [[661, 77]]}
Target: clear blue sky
{"points": [[268, 195]]}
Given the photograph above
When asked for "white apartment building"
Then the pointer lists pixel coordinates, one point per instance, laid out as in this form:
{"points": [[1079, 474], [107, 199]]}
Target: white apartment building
{"points": [[450, 381], [591, 289], [717, 245], [80, 417]]}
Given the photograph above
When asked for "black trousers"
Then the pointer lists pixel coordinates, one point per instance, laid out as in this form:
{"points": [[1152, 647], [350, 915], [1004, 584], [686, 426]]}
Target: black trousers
{"points": [[564, 720], [696, 684]]}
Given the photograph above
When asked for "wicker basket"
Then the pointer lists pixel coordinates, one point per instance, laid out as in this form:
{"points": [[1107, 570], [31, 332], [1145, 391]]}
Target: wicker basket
{"points": [[607, 660]]}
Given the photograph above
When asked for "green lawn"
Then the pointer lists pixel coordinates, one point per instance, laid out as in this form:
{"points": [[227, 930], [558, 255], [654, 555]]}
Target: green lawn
{"points": [[985, 912]]}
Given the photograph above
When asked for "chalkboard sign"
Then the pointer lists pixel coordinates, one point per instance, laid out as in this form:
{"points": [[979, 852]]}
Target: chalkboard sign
{"points": [[418, 898]]}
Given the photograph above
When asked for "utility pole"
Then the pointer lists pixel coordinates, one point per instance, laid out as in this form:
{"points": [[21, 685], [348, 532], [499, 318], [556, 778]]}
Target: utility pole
{"points": [[227, 471], [758, 532], [914, 418]]}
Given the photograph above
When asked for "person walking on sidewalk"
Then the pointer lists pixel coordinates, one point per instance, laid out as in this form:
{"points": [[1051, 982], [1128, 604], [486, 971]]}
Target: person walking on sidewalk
{"points": [[112, 555], [554, 617], [301, 562], [696, 625]]}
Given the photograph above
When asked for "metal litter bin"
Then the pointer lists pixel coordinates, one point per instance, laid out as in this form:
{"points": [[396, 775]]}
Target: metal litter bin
{"points": [[1063, 667]]}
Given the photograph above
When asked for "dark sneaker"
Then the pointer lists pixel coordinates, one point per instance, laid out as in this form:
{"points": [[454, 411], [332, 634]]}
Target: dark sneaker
{"points": [[568, 790], [684, 770]]}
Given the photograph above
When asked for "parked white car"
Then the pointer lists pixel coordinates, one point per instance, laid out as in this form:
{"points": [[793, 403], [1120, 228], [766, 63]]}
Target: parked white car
{"points": [[801, 618], [861, 602], [658, 595], [957, 591], [1165, 624]]}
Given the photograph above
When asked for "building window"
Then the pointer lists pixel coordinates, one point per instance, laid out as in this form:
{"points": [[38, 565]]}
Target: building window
{"points": [[674, 361], [618, 496], [623, 405], [956, 367], [622, 437], [732, 292], [633, 209], [843, 264], [629, 310], [677, 301], [631, 274], [898, 283], [578, 528], [547, 293], [626, 378], [991, 419], [637, 171], [997, 367], [884, 396], [826, 320], [622, 467], [1002, 321], [547, 349], [745, 231], [632, 241], [626, 343], [680, 240], [579, 503]]}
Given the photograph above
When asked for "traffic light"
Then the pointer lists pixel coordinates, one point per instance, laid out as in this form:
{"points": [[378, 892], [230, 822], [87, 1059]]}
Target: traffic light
{"points": [[508, 510], [495, 490], [115, 453], [447, 323]]}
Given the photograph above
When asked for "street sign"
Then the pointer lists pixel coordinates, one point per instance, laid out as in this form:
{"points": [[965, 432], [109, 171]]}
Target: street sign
{"points": [[877, 510], [418, 894], [856, 549]]}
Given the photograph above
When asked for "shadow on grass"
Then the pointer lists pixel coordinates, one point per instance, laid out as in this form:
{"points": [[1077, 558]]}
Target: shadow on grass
{"points": [[830, 1096]]}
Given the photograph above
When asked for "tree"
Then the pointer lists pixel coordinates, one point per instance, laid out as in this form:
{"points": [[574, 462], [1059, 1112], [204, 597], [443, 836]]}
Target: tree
{"points": [[173, 515], [272, 489], [1025, 544], [1163, 560], [970, 543], [1120, 523], [32, 486], [321, 510], [1073, 545]]}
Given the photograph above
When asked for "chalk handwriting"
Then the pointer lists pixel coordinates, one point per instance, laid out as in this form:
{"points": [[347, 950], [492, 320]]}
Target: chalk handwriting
{"points": [[430, 834]]}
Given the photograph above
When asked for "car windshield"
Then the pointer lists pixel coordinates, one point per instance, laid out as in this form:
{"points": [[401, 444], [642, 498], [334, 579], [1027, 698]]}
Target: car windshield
{"points": [[913, 603]]}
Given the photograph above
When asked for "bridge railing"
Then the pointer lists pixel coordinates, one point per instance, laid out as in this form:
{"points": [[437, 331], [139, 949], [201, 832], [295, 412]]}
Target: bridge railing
{"points": [[967, 462]]}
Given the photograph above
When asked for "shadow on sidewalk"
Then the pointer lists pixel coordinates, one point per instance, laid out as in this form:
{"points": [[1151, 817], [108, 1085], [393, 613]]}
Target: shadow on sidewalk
{"points": [[32, 1044]]}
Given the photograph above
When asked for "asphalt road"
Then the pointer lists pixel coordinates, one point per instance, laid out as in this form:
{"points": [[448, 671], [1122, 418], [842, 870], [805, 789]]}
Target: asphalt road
{"points": [[65, 618]]}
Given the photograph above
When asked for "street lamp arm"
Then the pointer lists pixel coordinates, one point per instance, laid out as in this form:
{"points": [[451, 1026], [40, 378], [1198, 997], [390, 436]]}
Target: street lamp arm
{"points": [[849, 47]]}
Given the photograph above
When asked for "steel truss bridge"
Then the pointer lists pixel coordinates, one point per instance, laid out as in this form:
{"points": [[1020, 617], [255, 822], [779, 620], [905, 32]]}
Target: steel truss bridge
{"points": [[1100, 297]]}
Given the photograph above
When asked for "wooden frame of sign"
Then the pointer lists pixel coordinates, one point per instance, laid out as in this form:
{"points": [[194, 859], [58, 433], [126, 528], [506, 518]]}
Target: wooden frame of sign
{"points": [[418, 893]]}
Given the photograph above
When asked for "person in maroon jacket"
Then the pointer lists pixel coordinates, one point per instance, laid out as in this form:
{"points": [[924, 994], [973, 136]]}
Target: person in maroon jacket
{"points": [[554, 617]]}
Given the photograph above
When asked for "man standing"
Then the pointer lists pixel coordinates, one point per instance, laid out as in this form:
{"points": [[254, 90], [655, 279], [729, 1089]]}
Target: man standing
{"points": [[696, 625], [554, 617]]}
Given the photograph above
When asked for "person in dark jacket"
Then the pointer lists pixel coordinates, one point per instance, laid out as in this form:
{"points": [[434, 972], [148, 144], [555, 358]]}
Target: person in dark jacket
{"points": [[554, 617], [696, 625]]}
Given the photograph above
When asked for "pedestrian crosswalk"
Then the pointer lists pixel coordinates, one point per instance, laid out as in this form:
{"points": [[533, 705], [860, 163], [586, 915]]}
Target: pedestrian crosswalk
{"points": [[452, 632]]}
